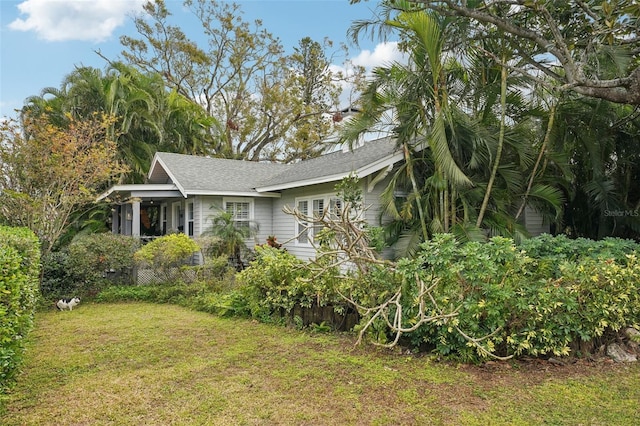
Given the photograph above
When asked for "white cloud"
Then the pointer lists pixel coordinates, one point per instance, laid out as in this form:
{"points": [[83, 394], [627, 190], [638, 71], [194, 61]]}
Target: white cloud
{"points": [[384, 53], [63, 20]]}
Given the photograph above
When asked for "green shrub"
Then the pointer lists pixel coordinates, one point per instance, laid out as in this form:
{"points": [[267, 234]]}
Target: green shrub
{"points": [[97, 260], [476, 280], [551, 251], [114, 294], [19, 279], [215, 270], [497, 291], [176, 293], [88, 264], [275, 280], [167, 254], [232, 303], [57, 278]]}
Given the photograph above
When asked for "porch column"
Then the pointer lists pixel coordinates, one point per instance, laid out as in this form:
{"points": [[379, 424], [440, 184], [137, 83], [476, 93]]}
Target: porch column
{"points": [[135, 224], [125, 221], [115, 220]]}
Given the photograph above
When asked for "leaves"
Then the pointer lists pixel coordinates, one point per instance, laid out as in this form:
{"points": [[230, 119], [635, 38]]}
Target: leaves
{"points": [[271, 106], [48, 173]]}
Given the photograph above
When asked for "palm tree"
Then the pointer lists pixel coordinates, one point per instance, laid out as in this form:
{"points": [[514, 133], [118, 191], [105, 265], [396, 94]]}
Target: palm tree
{"points": [[233, 236], [458, 176], [600, 140], [417, 94], [149, 117]]}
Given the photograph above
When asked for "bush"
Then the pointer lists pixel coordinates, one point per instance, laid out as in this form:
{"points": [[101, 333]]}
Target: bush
{"points": [[551, 251], [57, 278], [178, 293], [88, 264], [216, 271], [97, 260], [19, 278], [166, 254], [276, 281], [497, 291]]}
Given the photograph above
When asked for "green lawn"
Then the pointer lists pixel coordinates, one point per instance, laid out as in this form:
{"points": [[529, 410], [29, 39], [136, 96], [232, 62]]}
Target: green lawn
{"points": [[144, 364]]}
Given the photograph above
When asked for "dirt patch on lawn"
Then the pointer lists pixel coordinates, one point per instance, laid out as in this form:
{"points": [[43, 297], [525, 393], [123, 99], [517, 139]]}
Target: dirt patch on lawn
{"points": [[537, 370]]}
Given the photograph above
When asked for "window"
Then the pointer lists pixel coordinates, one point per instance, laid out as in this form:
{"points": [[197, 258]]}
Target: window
{"points": [[164, 219], [335, 207], [318, 210], [177, 217], [241, 211], [190, 219], [302, 229], [314, 207]]}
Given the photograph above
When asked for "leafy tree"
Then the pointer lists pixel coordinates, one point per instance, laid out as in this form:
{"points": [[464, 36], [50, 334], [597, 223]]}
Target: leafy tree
{"points": [[271, 106], [588, 47], [48, 173]]}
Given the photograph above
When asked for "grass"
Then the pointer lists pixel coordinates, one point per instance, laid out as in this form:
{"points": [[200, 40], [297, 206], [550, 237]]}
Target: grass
{"points": [[132, 364]]}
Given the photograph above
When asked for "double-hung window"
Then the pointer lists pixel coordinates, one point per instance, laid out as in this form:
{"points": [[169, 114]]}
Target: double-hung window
{"points": [[177, 217], [314, 208], [190, 219], [241, 212]]}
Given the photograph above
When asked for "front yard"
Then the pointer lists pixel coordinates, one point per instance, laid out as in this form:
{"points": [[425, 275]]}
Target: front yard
{"points": [[132, 364]]}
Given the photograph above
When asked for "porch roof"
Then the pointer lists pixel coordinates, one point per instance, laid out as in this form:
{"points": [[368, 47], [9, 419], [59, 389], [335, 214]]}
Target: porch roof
{"points": [[143, 191]]}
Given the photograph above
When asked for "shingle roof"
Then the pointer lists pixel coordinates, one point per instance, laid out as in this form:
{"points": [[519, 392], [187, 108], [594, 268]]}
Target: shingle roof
{"points": [[193, 174], [202, 174], [335, 164]]}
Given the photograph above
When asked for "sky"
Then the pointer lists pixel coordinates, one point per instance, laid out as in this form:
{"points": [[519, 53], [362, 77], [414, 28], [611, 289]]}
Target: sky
{"points": [[42, 41]]}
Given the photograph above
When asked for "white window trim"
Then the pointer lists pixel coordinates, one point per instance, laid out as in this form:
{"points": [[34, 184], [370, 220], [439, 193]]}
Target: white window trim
{"points": [[226, 200], [164, 212], [189, 217], [175, 218], [326, 204]]}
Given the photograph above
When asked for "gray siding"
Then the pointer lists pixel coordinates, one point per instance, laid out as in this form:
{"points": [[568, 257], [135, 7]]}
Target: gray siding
{"points": [[284, 225], [263, 216], [209, 206], [534, 222]]}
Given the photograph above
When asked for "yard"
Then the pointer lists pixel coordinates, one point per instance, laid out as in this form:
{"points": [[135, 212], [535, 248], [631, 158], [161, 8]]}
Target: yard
{"points": [[153, 364]]}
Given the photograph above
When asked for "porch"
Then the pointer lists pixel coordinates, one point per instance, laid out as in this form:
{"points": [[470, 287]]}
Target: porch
{"points": [[143, 210]]}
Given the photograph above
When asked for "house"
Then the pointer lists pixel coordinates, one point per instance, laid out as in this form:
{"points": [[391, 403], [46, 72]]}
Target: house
{"points": [[183, 192]]}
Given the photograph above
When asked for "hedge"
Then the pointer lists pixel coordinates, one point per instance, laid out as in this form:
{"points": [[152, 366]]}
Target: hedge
{"points": [[19, 279]]}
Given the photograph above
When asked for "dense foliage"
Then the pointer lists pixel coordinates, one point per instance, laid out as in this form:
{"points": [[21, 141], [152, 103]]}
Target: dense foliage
{"points": [[550, 296], [148, 117], [19, 278], [167, 254], [506, 302], [277, 281], [88, 264], [587, 47], [49, 173]]}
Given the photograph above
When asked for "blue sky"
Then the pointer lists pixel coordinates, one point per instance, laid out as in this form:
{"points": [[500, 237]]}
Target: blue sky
{"points": [[41, 41]]}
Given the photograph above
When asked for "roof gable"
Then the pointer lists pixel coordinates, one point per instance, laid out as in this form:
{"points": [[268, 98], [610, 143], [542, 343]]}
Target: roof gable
{"points": [[208, 176]]}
